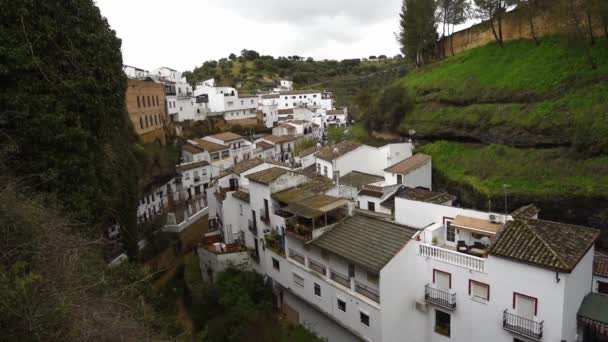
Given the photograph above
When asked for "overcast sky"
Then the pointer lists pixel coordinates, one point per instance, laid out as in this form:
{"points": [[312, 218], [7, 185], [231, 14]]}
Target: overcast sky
{"points": [[183, 34]]}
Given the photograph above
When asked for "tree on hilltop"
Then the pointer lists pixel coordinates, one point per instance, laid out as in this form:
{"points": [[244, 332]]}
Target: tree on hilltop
{"points": [[418, 30], [492, 11], [451, 13]]}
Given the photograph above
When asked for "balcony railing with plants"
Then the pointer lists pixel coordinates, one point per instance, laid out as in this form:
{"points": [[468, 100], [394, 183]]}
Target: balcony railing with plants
{"points": [[439, 297], [522, 326], [367, 291], [298, 230], [275, 243]]}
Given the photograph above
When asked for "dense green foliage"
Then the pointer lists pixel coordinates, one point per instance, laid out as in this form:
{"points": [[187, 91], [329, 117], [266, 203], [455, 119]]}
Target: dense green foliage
{"points": [[388, 109], [252, 74], [54, 284], [63, 108], [238, 307], [522, 95]]}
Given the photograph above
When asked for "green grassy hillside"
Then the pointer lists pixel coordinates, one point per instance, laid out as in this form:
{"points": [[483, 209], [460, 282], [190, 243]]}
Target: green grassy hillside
{"points": [[345, 78], [542, 173], [533, 117], [520, 95]]}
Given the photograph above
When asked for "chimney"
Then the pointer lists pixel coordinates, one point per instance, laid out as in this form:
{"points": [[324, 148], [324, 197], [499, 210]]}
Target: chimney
{"points": [[351, 208]]}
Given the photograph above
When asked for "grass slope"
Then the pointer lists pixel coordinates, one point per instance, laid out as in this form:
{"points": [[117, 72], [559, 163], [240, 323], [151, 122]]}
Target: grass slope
{"points": [[541, 173], [522, 95]]}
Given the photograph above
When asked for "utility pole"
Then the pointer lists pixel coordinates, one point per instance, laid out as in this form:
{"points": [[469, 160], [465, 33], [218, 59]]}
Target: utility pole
{"points": [[504, 188]]}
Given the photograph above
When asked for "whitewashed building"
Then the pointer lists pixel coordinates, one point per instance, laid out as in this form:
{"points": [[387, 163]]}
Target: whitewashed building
{"points": [[305, 98], [135, 72], [346, 157], [240, 148], [422, 270], [179, 95], [269, 106]]}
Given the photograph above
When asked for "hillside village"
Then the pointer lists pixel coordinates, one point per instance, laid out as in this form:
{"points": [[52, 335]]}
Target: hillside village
{"points": [[453, 193], [335, 227]]}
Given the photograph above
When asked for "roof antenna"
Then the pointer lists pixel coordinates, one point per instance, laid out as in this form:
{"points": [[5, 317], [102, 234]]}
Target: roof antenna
{"points": [[504, 188]]}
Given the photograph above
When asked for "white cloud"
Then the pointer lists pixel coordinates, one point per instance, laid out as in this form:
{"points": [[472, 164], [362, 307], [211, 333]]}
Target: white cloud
{"points": [[185, 33]]}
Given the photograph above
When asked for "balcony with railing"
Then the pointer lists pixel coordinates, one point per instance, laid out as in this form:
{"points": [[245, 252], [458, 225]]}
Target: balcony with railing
{"points": [[317, 267], [298, 231], [275, 243], [281, 213], [339, 278], [452, 257], [299, 258], [439, 297], [367, 291], [522, 326]]}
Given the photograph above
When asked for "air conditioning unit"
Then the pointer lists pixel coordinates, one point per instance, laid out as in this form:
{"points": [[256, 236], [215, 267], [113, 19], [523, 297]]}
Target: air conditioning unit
{"points": [[421, 306], [494, 218]]}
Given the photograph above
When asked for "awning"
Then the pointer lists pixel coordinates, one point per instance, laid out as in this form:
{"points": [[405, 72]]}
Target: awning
{"points": [[315, 206], [594, 309], [475, 225], [291, 195]]}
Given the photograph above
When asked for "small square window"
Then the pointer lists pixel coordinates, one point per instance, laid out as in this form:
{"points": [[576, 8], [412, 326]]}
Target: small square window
{"points": [[341, 305], [276, 265], [364, 318], [442, 323], [371, 206], [317, 290], [602, 287]]}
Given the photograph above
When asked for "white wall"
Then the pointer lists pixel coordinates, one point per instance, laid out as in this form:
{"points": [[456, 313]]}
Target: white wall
{"points": [[399, 316], [288, 101], [376, 159], [315, 321], [364, 200], [419, 214], [332, 291], [420, 177], [578, 285]]}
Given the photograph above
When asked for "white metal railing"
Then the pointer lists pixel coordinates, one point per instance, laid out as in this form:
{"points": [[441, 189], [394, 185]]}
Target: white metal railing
{"points": [[452, 257]]}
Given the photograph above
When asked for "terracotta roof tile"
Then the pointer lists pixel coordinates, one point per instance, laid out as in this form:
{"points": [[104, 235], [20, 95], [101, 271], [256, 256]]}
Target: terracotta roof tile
{"points": [[553, 245], [336, 151], [410, 164], [246, 165], [264, 145], [190, 166], [527, 211], [267, 176], [600, 265], [226, 136], [366, 241], [358, 179], [243, 196], [210, 146]]}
